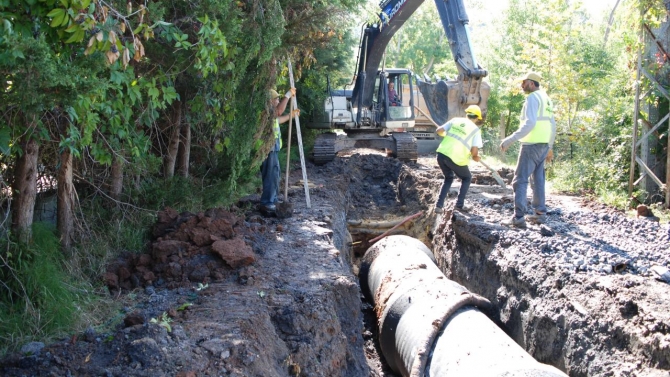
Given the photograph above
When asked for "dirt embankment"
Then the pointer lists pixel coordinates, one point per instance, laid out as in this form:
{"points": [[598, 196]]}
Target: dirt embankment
{"points": [[230, 293]]}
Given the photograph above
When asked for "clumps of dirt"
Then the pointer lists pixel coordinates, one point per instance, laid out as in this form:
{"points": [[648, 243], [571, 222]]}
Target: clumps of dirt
{"points": [[187, 248], [506, 174], [645, 212]]}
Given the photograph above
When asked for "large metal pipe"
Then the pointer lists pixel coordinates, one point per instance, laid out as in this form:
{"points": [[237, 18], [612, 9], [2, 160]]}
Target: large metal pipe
{"points": [[430, 325]]}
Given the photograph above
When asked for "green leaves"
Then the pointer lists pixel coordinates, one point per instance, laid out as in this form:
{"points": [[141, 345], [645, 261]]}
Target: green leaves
{"points": [[154, 93], [182, 41], [59, 17], [71, 142], [77, 34]]}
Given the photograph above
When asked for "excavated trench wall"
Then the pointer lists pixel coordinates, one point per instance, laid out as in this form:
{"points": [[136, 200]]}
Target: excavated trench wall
{"points": [[585, 324], [466, 254]]}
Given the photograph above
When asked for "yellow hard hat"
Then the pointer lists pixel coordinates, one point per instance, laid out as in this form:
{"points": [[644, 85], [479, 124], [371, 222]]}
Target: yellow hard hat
{"points": [[475, 110], [273, 94]]}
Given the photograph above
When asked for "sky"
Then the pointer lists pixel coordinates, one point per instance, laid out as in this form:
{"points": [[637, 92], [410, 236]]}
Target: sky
{"points": [[495, 7]]}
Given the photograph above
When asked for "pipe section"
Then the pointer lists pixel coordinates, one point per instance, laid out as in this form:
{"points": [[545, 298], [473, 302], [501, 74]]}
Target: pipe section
{"points": [[432, 326]]}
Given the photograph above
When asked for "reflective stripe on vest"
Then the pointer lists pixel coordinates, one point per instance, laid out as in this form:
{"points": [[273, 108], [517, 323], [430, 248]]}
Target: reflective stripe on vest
{"points": [[277, 132], [457, 142], [542, 131]]}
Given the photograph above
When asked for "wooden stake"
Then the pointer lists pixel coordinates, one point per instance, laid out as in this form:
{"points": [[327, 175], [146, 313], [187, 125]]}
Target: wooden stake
{"points": [[294, 105], [408, 218], [288, 152]]}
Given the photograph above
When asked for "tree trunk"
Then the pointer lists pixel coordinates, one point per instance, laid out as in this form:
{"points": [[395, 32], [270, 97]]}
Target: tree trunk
{"points": [[116, 185], [65, 212], [428, 67], [609, 23], [184, 150], [25, 190], [501, 134], [173, 144]]}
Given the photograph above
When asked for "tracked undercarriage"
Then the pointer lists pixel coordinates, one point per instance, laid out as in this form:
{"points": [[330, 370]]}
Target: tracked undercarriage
{"points": [[401, 145]]}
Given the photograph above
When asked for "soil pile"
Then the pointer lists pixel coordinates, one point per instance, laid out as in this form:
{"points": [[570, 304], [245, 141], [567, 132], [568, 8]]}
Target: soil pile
{"points": [[187, 249]]}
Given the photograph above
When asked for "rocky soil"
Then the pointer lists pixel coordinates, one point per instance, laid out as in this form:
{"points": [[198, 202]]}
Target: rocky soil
{"points": [[231, 293]]}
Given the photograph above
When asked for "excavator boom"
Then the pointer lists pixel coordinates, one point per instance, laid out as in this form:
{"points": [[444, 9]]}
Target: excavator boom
{"points": [[455, 21]]}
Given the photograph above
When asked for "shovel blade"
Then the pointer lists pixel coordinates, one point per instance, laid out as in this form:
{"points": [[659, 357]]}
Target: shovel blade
{"points": [[284, 210]]}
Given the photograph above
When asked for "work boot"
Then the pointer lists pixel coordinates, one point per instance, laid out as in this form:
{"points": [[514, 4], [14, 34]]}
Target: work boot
{"points": [[464, 208], [537, 218], [268, 210], [519, 222]]}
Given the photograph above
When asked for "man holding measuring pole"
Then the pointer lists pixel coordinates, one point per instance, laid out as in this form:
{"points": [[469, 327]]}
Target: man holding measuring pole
{"points": [[270, 171]]}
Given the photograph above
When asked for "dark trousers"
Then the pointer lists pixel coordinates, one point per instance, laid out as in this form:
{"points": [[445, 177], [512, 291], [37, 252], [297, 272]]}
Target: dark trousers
{"points": [[449, 168], [270, 175]]}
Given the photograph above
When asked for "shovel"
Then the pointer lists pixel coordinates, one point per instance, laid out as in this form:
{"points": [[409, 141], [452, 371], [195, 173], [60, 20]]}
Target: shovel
{"points": [[495, 174], [285, 208]]}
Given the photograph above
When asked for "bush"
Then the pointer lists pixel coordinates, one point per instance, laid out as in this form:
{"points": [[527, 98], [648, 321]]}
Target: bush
{"points": [[600, 172]]}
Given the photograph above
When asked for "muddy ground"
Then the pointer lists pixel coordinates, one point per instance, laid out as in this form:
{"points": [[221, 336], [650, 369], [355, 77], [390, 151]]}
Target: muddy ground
{"points": [[229, 292]]}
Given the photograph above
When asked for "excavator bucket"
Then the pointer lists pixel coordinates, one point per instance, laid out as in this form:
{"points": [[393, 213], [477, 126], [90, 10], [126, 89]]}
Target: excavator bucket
{"points": [[436, 98], [446, 99]]}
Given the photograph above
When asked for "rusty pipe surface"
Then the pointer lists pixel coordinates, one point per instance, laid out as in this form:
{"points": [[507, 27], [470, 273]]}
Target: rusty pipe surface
{"points": [[432, 326]]}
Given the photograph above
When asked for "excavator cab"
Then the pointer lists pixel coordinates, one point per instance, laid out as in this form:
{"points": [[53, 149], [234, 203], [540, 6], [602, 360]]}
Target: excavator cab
{"points": [[392, 99]]}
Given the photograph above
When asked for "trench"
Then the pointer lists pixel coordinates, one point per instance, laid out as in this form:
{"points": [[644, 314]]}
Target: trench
{"points": [[564, 311], [458, 252]]}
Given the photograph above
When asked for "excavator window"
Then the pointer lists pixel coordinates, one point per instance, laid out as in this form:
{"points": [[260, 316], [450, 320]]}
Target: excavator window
{"points": [[375, 94], [399, 97]]}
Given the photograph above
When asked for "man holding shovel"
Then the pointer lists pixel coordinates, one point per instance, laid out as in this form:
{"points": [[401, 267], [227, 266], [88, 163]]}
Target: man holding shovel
{"points": [[270, 172], [462, 140]]}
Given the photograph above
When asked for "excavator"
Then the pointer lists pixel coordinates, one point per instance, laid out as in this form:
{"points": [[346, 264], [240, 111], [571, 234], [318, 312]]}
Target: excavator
{"points": [[366, 114]]}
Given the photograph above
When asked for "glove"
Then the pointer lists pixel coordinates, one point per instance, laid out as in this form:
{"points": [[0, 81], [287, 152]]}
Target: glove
{"points": [[295, 113], [550, 156], [290, 93]]}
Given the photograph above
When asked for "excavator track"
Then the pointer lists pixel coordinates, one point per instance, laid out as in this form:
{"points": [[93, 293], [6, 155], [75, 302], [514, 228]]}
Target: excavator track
{"points": [[324, 148], [405, 146]]}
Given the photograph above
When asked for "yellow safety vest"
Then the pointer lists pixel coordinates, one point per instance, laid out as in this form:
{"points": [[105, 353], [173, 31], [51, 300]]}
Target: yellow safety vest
{"points": [[541, 133], [277, 132], [457, 142]]}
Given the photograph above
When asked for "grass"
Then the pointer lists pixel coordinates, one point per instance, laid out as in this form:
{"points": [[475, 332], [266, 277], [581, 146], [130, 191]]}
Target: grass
{"points": [[38, 298]]}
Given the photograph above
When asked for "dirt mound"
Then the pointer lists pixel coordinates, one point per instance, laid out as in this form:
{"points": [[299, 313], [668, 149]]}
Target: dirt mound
{"points": [[187, 248]]}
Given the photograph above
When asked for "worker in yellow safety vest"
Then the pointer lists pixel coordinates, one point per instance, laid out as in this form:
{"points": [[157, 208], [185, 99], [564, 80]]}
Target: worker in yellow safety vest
{"points": [[270, 172], [536, 134], [462, 140]]}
